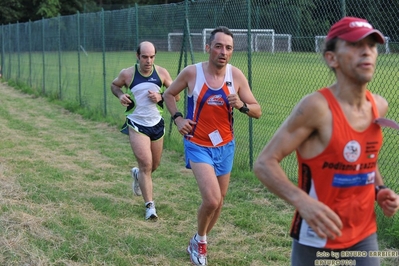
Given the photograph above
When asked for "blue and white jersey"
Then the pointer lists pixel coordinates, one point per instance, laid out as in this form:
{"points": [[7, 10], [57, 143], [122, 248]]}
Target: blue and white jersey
{"points": [[145, 112]]}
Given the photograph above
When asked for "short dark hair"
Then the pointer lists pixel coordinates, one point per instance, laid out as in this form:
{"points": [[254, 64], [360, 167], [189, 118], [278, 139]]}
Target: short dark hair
{"points": [[138, 51], [330, 45], [222, 29]]}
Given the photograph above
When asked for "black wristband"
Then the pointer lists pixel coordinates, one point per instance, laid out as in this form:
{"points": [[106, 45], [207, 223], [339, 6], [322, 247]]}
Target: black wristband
{"points": [[244, 109], [160, 103], [161, 98], [176, 115]]}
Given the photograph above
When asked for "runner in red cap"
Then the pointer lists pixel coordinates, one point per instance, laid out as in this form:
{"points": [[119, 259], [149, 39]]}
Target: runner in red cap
{"points": [[337, 143], [353, 29]]}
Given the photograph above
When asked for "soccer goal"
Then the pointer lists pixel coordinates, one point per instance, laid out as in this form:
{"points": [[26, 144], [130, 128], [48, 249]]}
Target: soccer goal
{"points": [[273, 43], [175, 41], [319, 45], [261, 39]]}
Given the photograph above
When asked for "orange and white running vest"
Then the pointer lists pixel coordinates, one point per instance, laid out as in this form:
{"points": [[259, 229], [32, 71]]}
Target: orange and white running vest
{"points": [[211, 110], [342, 177]]}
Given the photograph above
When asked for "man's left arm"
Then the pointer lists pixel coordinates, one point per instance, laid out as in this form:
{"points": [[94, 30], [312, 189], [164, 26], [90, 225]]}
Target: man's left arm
{"points": [[386, 198], [244, 100]]}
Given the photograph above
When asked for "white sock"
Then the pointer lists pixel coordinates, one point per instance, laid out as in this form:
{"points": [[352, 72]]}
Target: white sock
{"points": [[146, 204], [200, 238]]}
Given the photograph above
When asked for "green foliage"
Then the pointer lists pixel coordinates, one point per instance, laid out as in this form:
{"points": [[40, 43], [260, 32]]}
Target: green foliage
{"points": [[10, 11], [48, 8], [388, 230]]}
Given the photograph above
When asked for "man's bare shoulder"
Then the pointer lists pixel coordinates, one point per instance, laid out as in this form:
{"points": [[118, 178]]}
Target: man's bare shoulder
{"points": [[312, 111], [125, 76], [189, 72], [310, 121], [191, 68], [382, 104], [240, 80], [236, 71], [313, 103], [127, 72], [161, 70]]}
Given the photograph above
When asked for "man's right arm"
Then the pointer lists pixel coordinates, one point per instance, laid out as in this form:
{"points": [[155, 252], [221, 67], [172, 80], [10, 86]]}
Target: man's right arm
{"points": [[178, 85], [293, 132], [116, 87], [185, 79]]}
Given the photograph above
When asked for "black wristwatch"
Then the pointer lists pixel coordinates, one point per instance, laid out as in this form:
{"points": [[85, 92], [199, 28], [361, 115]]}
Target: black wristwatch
{"points": [[244, 109], [176, 115]]}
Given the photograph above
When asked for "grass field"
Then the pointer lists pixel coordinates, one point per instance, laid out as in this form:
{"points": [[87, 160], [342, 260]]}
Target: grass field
{"points": [[75, 191], [66, 199]]}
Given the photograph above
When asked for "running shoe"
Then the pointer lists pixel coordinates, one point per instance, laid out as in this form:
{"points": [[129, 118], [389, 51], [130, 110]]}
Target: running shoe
{"points": [[135, 185], [197, 251], [150, 211]]}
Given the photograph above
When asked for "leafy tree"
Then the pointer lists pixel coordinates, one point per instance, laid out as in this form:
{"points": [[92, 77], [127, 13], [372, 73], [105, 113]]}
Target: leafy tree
{"points": [[47, 8], [70, 7], [119, 4], [10, 11]]}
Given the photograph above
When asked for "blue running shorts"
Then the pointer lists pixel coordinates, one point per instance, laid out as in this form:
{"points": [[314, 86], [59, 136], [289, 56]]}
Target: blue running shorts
{"points": [[221, 158]]}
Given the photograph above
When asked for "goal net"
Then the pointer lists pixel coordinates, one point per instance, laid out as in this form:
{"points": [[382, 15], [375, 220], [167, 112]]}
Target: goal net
{"points": [[319, 45], [175, 41], [273, 43]]}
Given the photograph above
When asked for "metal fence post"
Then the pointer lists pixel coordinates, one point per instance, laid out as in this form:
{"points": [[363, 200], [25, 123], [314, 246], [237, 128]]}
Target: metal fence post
{"points": [[2, 51], [18, 53], [343, 8], [59, 57], [249, 56], [103, 49], [43, 59], [30, 52], [79, 70]]}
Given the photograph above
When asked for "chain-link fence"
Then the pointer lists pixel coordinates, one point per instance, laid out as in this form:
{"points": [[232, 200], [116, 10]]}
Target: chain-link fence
{"points": [[277, 45]]}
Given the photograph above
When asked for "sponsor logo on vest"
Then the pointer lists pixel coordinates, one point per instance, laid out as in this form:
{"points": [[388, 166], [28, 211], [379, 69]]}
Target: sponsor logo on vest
{"points": [[348, 167], [215, 100], [352, 151]]}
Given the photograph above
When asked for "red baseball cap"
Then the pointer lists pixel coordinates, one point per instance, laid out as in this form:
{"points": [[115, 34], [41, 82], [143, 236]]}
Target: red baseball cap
{"points": [[353, 29]]}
